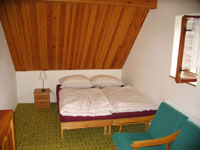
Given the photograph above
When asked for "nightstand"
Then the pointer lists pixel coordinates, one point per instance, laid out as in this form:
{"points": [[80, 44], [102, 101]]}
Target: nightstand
{"points": [[42, 98]]}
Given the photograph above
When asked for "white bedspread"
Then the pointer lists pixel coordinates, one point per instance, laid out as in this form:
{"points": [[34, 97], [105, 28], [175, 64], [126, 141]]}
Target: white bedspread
{"points": [[127, 99], [85, 102]]}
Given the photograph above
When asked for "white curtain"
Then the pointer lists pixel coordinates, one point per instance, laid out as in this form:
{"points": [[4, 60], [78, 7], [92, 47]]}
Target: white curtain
{"points": [[191, 55]]}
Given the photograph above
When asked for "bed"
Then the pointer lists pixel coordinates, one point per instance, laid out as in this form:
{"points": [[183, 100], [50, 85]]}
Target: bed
{"points": [[76, 122]]}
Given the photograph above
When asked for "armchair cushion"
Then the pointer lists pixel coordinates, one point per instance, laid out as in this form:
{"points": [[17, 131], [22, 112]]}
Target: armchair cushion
{"points": [[166, 121], [123, 141], [188, 138]]}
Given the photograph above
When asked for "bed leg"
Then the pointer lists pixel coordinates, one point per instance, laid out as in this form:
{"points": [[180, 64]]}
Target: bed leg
{"points": [[109, 130], [105, 130], [147, 126], [62, 131]]}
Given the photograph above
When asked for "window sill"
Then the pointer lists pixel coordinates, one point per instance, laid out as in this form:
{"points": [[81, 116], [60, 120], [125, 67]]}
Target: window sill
{"points": [[194, 84]]}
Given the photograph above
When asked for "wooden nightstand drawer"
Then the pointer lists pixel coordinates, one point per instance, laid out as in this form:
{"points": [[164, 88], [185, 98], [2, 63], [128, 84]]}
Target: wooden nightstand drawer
{"points": [[42, 98], [42, 103]]}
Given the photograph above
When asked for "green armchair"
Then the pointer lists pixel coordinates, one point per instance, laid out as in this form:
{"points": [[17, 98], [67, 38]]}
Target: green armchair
{"points": [[163, 130], [188, 138]]}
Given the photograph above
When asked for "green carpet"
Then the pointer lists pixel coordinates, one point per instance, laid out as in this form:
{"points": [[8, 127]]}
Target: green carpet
{"points": [[39, 129]]}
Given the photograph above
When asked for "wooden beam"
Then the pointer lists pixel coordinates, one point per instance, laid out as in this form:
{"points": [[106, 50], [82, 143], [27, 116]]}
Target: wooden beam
{"points": [[134, 3]]}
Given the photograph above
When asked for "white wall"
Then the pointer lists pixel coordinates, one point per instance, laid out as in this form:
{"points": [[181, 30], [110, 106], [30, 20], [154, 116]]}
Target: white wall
{"points": [[148, 65], [28, 81], [8, 90]]}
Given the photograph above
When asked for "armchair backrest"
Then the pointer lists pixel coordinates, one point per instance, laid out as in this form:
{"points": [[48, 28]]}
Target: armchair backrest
{"points": [[188, 138], [166, 121]]}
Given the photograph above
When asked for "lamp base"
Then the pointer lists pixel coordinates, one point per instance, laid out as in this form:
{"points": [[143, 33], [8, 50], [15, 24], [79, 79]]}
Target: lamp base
{"points": [[43, 90]]}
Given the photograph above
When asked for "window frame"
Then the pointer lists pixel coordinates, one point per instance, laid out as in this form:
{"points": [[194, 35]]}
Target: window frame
{"points": [[189, 76]]}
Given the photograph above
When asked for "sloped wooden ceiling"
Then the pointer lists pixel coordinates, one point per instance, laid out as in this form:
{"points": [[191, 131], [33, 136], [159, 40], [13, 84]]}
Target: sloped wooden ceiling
{"points": [[72, 34]]}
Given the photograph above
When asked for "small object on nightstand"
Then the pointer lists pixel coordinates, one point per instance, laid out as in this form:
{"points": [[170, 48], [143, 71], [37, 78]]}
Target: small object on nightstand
{"points": [[42, 98], [43, 77]]}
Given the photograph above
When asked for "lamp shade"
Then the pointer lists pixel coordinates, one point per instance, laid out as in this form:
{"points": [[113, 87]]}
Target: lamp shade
{"points": [[43, 75]]}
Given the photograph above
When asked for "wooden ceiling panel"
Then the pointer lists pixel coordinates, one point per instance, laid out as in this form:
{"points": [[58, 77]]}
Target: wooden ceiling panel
{"points": [[60, 35]]}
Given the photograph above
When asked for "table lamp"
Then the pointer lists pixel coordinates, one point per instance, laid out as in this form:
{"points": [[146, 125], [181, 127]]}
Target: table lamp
{"points": [[43, 77]]}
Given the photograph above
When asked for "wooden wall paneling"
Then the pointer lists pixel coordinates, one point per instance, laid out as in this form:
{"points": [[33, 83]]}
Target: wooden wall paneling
{"points": [[58, 35], [131, 36], [51, 34], [89, 29], [42, 24], [34, 37], [94, 36], [28, 33], [9, 37], [99, 26], [55, 30], [115, 37], [107, 35], [65, 58], [76, 39], [13, 24], [70, 36], [19, 26], [81, 35], [119, 35], [118, 17], [101, 36], [75, 36]]}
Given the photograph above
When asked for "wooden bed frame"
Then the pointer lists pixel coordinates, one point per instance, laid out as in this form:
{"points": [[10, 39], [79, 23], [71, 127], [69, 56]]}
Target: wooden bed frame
{"points": [[108, 123]]}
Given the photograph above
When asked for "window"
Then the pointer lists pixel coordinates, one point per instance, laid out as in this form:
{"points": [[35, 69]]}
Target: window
{"points": [[188, 53]]}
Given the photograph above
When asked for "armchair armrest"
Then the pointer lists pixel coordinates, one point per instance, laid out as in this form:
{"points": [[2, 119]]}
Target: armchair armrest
{"points": [[153, 142], [145, 119]]}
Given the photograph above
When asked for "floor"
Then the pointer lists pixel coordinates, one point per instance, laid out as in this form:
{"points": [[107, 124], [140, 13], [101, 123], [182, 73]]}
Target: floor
{"points": [[39, 129]]}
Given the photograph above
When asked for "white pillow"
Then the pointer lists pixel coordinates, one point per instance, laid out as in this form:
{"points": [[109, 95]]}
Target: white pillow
{"points": [[105, 81], [75, 82]]}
